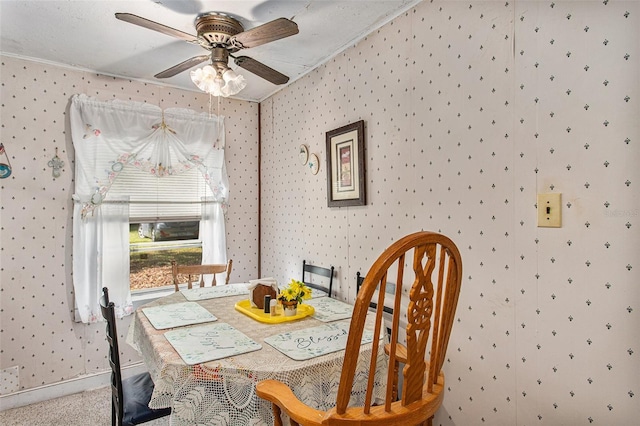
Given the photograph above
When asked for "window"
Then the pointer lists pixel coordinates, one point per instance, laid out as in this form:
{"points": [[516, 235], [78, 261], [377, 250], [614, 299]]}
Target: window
{"points": [[115, 138], [150, 256], [164, 223]]}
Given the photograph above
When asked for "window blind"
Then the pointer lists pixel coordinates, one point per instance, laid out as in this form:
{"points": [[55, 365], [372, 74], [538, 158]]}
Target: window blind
{"points": [[155, 199]]}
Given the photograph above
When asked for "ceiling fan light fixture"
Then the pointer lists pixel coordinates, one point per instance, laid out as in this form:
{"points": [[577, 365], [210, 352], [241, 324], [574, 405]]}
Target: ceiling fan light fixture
{"points": [[234, 82], [205, 78], [218, 81]]}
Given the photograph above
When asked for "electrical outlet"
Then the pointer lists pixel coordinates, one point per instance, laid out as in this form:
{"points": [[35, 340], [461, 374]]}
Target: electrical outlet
{"points": [[550, 210]]}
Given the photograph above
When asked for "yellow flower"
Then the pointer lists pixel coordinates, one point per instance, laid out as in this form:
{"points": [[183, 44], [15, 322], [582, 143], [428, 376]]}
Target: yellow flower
{"points": [[295, 291]]}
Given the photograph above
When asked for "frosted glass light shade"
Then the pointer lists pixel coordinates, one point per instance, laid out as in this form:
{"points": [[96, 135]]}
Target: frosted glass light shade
{"points": [[234, 82], [209, 80]]}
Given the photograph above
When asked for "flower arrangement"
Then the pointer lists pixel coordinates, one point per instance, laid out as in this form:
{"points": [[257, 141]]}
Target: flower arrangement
{"points": [[296, 291]]}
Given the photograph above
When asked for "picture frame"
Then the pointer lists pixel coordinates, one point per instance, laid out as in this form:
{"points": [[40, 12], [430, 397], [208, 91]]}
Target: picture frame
{"points": [[346, 184]]}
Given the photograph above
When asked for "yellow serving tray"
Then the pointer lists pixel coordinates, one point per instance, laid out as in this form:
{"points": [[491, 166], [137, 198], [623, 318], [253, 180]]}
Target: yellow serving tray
{"points": [[257, 314]]}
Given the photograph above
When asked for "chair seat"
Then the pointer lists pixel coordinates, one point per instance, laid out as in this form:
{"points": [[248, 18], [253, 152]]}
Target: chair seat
{"points": [[137, 392]]}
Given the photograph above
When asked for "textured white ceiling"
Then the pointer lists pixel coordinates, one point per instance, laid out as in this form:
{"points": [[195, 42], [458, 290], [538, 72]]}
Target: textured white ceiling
{"points": [[86, 35]]}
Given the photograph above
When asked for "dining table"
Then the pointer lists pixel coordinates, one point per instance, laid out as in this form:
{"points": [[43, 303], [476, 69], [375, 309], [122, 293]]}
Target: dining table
{"points": [[207, 348]]}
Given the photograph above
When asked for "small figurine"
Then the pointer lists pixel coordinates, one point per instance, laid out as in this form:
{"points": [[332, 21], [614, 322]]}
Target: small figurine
{"points": [[57, 164]]}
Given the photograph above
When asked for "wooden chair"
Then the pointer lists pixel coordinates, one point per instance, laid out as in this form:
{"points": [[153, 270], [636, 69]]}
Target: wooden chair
{"points": [[129, 397], [429, 266], [308, 270], [191, 271]]}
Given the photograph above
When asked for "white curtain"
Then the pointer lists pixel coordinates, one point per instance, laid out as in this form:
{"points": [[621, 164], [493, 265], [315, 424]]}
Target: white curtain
{"points": [[214, 249], [108, 136], [105, 261]]}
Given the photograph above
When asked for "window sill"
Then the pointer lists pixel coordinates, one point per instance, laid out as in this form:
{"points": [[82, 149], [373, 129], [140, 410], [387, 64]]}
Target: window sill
{"points": [[141, 297]]}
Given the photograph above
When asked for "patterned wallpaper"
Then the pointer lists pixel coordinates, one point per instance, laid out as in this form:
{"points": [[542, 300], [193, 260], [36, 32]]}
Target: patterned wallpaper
{"points": [[471, 109], [39, 341]]}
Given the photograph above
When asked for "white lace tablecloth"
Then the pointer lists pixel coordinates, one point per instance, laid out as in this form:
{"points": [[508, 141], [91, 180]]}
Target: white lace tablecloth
{"points": [[222, 392]]}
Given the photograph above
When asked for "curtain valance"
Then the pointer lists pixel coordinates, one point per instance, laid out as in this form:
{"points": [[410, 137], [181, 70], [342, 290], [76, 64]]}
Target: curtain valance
{"points": [[107, 136]]}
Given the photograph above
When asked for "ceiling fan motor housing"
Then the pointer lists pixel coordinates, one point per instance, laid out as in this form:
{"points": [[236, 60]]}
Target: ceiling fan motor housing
{"points": [[220, 59], [215, 30]]}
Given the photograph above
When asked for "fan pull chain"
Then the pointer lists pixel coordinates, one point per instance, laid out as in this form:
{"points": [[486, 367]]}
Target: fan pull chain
{"points": [[218, 121], [217, 112]]}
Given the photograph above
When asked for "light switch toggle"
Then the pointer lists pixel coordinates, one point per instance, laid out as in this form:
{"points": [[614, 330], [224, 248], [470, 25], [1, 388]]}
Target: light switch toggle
{"points": [[550, 210]]}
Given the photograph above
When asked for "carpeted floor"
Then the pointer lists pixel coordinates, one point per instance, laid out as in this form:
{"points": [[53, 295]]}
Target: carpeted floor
{"points": [[90, 408]]}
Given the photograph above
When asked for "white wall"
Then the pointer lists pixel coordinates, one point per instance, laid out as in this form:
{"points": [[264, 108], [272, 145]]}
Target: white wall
{"points": [[40, 344], [471, 109]]}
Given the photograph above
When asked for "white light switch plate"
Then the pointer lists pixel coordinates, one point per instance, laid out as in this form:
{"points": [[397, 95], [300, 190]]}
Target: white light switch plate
{"points": [[550, 210]]}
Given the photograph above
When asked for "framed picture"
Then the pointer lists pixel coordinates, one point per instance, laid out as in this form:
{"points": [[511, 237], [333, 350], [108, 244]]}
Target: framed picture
{"points": [[345, 166]]}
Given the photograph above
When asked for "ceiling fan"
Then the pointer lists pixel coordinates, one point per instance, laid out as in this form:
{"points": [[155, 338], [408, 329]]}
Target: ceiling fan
{"points": [[223, 35]]}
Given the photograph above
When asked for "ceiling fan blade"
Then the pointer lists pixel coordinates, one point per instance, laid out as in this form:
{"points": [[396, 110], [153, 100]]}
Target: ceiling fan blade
{"points": [[261, 70], [146, 23], [265, 33], [183, 66]]}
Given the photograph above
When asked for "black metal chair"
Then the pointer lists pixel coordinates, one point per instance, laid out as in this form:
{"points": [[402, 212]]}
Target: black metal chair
{"points": [[308, 270], [129, 397], [390, 289]]}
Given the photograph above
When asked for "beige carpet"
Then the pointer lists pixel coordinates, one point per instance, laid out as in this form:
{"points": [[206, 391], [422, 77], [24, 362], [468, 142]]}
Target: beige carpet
{"points": [[82, 409]]}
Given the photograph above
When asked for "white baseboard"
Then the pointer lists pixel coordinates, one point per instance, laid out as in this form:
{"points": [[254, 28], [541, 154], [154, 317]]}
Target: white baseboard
{"points": [[64, 388]]}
